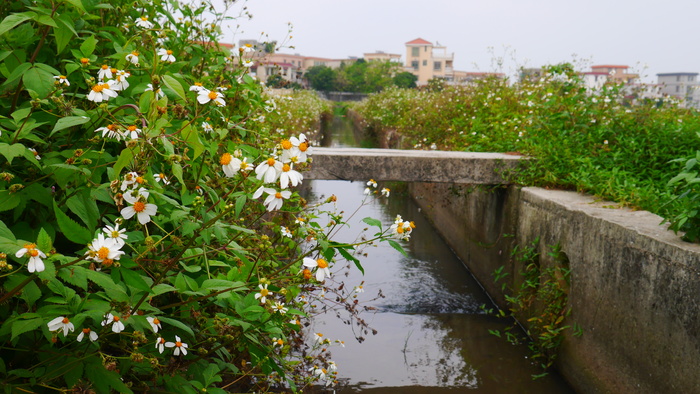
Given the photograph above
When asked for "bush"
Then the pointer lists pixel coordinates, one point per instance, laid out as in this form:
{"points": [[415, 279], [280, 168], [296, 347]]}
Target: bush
{"points": [[140, 247]]}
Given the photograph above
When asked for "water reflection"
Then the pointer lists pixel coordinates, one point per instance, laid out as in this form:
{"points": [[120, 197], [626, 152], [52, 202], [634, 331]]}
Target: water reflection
{"points": [[432, 332]]}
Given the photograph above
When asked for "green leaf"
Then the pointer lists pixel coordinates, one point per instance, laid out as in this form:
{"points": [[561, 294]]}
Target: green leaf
{"points": [[240, 203], [43, 241], [349, 257], [13, 20], [78, 4], [177, 324], [221, 284], [5, 232], [17, 73], [133, 279], [39, 81], [74, 373], [85, 208], [74, 275], [71, 229], [210, 375], [8, 200], [177, 172], [21, 114], [373, 222], [20, 326], [88, 46], [69, 121], [10, 152], [397, 246], [191, 135], [125, 159], [45, 20], [174, 85], [103, 379]]}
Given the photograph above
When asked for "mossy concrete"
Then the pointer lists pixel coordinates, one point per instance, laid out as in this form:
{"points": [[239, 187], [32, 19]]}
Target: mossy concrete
{"points": [[634, 285]]}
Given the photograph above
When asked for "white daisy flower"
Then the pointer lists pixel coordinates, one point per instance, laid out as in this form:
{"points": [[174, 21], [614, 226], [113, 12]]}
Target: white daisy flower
{"points": [[115, 321], [180, 347], [204, 96], [36, 264], [166, 55], [262, 295], [143, 22], [86, 331], [321, 266], [62, 79], [61, 323], [105, 72]]}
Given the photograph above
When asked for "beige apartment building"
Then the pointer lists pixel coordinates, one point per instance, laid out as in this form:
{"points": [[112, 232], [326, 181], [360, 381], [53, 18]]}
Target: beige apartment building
{"points": [[427, 61], [616, 73]]}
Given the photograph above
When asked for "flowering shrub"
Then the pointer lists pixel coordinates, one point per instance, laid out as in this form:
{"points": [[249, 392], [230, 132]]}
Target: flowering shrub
{"points": [[610, 142], [150, 234]]}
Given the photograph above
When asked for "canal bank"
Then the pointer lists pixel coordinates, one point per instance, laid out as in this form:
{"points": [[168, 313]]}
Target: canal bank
{"points": [[633, 290], [432, 331]]}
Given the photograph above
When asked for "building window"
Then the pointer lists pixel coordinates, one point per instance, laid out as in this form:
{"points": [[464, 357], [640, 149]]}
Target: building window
{"points": [[678, 88], [414, 64], [678, 78], [426, 49], [691, 78], [437, 66], [425, 63], [415, 51]]}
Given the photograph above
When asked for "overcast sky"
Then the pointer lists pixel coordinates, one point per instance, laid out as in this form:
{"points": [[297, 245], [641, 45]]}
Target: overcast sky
{"points": [[645, 35]]}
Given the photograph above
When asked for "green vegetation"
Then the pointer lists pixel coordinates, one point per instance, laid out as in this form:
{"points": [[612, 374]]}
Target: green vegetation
{"points": [[359, 77], [151, 237], [540, 299], [611, 143]]}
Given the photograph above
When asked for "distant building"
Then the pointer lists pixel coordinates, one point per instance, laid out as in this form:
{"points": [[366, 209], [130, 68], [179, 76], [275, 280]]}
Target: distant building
{"points": [[427, 61], [595, 80], [382, 56], [682, 85], [616, 73]]}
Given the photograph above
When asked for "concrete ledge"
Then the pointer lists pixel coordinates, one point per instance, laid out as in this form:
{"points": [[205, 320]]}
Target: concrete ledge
{"points": [[357, 164], [634, 285]]}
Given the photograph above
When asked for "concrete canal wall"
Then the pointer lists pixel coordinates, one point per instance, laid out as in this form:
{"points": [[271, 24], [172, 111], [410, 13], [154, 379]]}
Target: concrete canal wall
{"points": [[634, 286]]}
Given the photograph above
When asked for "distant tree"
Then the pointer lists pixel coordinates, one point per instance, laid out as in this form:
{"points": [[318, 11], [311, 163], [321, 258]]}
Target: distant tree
{"points": [[321, 78], [405, 80]]}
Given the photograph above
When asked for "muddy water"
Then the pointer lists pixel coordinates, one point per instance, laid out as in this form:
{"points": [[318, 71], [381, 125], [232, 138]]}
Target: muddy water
{"points": [[432, 332]]}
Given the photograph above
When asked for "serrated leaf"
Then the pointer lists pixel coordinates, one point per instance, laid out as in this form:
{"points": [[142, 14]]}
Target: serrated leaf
{"points": [[13, 20], [17, 73], [69, 121], [20, 326], [85, 208], [75, 275], [43, 241], [78, 4], [175, 86], [373, 222], [70, 228], [221, 284]]}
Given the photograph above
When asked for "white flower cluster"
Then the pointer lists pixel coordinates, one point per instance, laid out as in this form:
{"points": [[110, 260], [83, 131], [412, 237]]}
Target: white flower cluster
{"points": [[138, 198], [402, 229]]}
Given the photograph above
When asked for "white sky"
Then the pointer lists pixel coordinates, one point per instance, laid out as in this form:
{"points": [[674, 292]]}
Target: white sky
{"points": [[643, 34]]}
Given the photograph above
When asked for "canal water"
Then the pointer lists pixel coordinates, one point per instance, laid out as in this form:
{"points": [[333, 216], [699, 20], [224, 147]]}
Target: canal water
{"points": [[432, 334]]}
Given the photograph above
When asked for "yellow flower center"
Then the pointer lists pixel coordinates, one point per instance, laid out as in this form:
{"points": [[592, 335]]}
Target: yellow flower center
{"points": [[33, 252], [264, 292], [286, 167], [244, 165], [131, 128], [162, 340], [306, 273], [271, 162], [178, 344], [278, 195], [115, 234], [169, 52], [107, 262], [197, 84], [115, 318], [62, 76], [144, 18], [286, 144], [280, 342], [105, 67], [111, 127], [134, 53], [103, 253], [97, 88], [139, 206], [156, 321], [84, 60], [114, 70], [86, 330], [213, 95], [225, 159], [399, 229], [65, 320], [322, 263], [303, 146], [140, 180]]}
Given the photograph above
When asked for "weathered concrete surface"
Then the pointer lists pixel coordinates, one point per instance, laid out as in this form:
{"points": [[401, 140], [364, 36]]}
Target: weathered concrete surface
{"points": [[635, 286], [412, 166]]}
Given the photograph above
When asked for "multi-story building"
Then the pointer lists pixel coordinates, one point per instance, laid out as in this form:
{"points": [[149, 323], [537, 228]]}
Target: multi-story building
{"points": [[382, 56], [427, 61], [682, 85], [616, 73]]}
